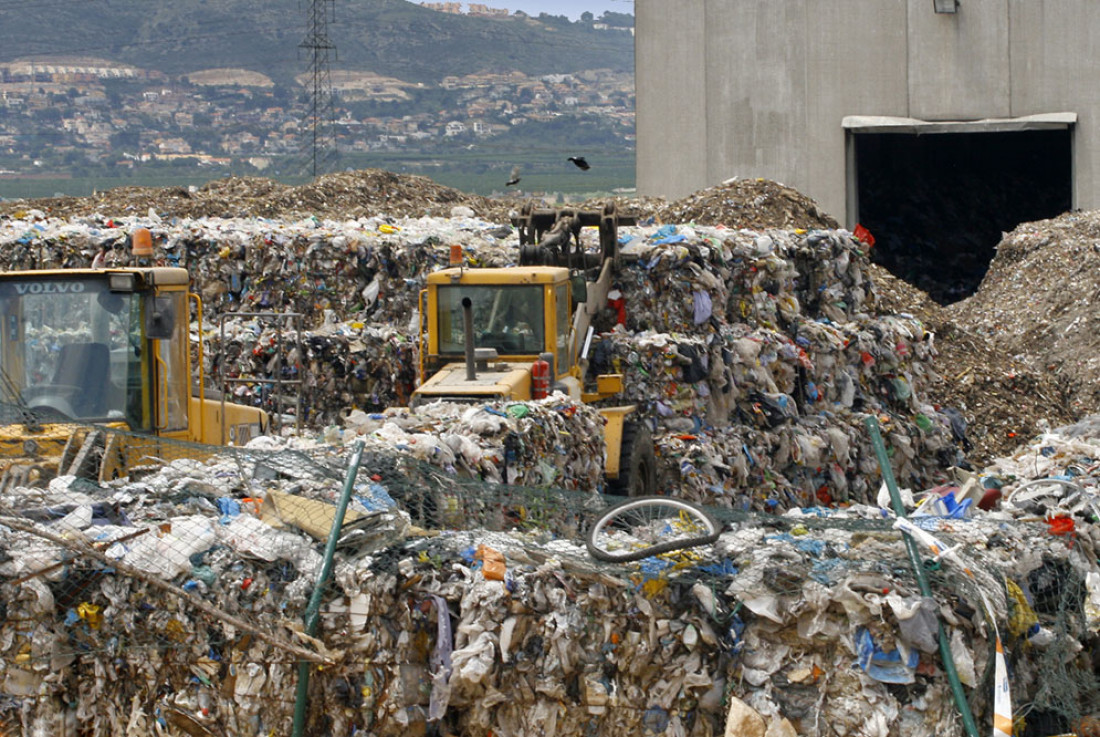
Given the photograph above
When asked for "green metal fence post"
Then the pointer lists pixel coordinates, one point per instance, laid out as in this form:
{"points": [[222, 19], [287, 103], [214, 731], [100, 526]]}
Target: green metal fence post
{"points": [[312, 615], [918, 567]]}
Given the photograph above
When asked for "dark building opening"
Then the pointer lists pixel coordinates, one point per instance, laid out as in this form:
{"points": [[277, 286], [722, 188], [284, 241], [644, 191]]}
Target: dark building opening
{"points": [[938, 203]]}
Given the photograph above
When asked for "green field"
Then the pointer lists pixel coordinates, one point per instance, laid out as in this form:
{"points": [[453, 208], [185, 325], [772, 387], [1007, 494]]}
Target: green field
{"points": [[476, 172], [485, 173]]}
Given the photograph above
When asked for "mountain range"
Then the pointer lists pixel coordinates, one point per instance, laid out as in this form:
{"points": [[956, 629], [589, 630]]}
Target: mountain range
{"points": [[391, 38]]}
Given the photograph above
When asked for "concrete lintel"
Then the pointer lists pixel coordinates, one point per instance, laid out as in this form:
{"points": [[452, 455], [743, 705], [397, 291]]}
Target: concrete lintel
{"points": [[912, 126]]}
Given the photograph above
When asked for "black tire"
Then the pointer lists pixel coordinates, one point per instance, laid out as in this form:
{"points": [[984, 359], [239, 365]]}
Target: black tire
{"points": [[637, 463], [647, 526]]}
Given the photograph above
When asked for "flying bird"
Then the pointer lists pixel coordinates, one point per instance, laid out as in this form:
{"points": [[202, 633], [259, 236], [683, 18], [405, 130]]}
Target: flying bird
{"points": [[514, 179], [580, 162]]}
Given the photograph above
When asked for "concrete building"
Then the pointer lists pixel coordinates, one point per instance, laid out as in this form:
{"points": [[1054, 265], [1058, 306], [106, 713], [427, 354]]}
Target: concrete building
{"points": [[842, 99]]}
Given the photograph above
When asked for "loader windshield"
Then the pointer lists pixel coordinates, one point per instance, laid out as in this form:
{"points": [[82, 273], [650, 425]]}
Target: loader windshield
{"points": [[71, 349], [507, 318]]}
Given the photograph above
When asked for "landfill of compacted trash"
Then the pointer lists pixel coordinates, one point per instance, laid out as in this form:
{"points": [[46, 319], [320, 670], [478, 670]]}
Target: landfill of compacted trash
{"points": [[957, 592]]}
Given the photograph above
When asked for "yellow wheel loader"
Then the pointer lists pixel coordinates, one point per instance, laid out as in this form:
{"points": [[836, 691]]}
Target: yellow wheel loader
{"points": [[86, 350], [519, 332]]}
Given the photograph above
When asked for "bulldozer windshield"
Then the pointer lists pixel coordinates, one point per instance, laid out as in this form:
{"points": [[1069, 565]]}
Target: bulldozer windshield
{"points": [[70, 350], [506, 317]]}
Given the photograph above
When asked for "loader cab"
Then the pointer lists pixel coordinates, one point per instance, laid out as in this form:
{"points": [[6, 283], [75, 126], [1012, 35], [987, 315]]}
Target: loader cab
{"points": [[520, 313], [517, 315], [104, 346], [109, 346], [519, 333], [85, 349]]}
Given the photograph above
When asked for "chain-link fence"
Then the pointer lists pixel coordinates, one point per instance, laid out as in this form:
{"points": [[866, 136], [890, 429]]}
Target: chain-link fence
{"points": [[171, 563]]}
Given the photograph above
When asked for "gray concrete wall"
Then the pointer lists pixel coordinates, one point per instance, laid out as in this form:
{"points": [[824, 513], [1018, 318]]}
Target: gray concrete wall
{"points": [[1055, 66], [672, 110], [755, 85], [958, 63], [758, 88], [864, 59]]}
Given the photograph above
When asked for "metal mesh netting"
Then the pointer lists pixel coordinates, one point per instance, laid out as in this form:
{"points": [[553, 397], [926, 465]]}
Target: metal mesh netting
{"points": [[1068, 690], [173, 602]]}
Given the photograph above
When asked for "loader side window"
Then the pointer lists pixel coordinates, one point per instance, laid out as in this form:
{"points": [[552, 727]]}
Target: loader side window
{"points": [[563, 327], [172, 372], [131, 366]]}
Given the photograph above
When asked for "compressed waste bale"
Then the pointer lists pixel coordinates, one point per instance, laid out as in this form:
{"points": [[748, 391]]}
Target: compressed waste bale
{"points": [[351, 267], [813, 584], [761, 402], [543, 443], [678, 277], [182, 524], [314, 381]]}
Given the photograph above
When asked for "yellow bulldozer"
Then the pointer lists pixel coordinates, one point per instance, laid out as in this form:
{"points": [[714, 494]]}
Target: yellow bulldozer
{"points": [[83, 351], [521, 332]]}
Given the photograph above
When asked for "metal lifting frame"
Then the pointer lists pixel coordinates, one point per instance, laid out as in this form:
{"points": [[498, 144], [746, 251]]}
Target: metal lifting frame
{"points": [[278, 380]]}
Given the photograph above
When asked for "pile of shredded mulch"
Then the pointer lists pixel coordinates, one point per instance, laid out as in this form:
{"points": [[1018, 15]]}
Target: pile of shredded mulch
{"points": [[1020, 351], [744, 203], [1038, 303], [1002, 398], [345, 195], [755, 204]]}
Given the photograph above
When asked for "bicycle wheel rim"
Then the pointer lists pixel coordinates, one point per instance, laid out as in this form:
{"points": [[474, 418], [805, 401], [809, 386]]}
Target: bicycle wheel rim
{"points": [[647, 526]]}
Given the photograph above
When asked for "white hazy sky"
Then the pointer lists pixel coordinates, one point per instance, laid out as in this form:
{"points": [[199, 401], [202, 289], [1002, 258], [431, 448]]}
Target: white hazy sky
{"points": [[571, 8]]}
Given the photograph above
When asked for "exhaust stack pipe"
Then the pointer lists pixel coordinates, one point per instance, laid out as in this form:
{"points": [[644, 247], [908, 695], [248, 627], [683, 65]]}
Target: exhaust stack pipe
{"points": [[468, 328]]}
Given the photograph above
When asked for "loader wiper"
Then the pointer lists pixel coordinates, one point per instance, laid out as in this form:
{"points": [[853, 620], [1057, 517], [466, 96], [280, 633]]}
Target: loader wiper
{"points": [[31, 421]]}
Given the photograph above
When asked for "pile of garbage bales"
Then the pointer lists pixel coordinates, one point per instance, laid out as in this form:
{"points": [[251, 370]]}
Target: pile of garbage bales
{"points": [[998, 395], [812, 622], [173, 604], [751, 354]]}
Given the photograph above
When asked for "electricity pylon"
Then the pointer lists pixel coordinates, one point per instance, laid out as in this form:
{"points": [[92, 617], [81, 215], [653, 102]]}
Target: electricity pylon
{"points": [[318, 134]]}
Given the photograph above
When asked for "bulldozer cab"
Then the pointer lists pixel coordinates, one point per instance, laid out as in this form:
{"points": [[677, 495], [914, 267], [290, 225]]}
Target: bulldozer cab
{"points": [[518, 332], [509, 319], [506, 317], [539, 310]]}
